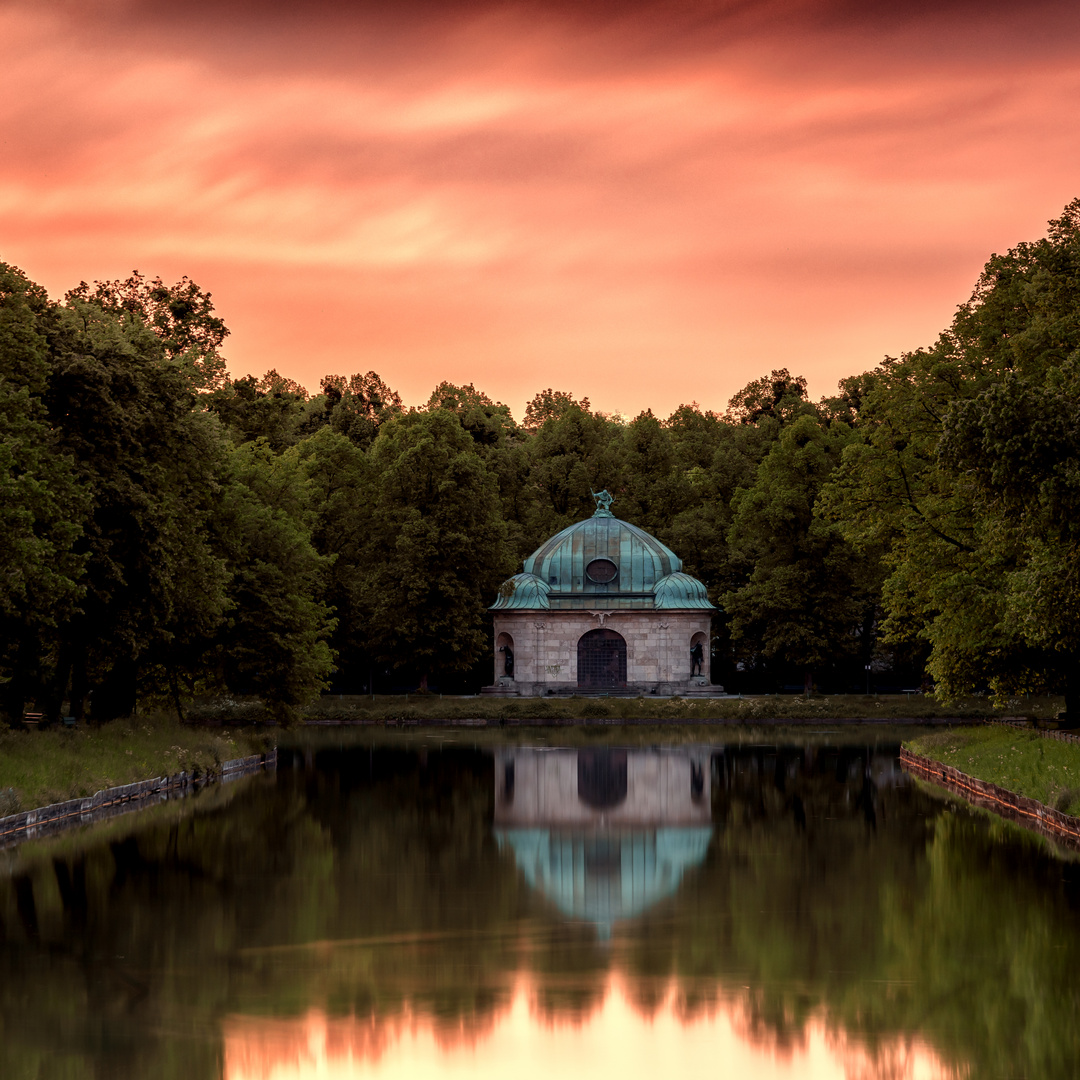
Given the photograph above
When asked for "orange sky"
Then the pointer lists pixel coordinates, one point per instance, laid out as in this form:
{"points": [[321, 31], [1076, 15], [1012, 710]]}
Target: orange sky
{"points": [[643, 203]]}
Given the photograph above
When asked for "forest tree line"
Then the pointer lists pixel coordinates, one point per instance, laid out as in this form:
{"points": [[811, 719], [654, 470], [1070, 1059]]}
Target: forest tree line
{"points": [[170, 530]]}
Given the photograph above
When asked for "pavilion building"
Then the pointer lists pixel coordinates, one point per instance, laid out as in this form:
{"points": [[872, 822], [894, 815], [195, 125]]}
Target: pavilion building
{"points": [[603, 608]]}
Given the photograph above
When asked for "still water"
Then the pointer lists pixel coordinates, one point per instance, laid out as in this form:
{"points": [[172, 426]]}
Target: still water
{"points": [[432, 910]]}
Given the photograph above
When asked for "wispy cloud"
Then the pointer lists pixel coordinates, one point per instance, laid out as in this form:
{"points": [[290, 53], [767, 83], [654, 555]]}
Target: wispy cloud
{"points": [[644, 204]]}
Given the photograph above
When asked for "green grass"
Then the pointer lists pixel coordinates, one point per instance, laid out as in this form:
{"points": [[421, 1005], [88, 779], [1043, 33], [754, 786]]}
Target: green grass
{"points": [[1021, 761], [42, 767], [899, 707]]}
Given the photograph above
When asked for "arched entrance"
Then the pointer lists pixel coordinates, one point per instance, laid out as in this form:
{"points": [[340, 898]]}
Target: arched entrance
{"points": [[504, 657], [699, 655], [601, 661]]}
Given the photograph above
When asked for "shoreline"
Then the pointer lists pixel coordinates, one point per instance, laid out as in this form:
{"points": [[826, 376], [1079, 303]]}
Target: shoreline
{"points": [[1030, 813], [124, 798]]}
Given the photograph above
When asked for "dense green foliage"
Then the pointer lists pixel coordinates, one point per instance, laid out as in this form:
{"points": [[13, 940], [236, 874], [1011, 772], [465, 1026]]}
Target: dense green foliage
{"points": [[964, 472], [171, 530], [177, 532]]}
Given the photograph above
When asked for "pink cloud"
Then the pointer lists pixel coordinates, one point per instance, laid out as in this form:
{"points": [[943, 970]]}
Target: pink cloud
{"points": [[644, 205]]}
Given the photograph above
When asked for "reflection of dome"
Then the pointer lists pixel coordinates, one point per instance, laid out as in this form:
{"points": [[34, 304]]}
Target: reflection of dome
{"points": [[601, 562], [680, 591], [606, 876]]}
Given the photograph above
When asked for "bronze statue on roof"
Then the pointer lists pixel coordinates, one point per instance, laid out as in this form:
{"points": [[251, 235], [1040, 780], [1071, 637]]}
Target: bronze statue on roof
{"points": [[604, 499]]}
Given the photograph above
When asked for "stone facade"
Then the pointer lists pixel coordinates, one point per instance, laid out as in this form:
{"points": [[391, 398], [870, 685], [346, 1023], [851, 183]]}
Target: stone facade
{"points": [[545, 649], [602, 607]]}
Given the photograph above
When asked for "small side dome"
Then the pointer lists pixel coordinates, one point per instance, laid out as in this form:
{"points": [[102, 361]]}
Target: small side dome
{"points": [[522, 591], [681, 591]]}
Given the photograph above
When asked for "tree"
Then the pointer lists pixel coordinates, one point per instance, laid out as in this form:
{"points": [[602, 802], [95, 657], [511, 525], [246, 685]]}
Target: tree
{"points": [[780, 396], [41, 503], [356, 406], [181, 315], [1015, 447], [500, 443], [846, 405], [339, 482], [436, 546], [550, 405], [569, 456], [717, 459], [273, 408], [807, 599], [964, 471], [487, 421], [39, 500], [650, 488], [274, 639], [148, 462]]}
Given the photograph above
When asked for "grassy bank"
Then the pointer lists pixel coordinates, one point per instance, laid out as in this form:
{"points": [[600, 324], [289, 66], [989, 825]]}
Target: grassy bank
{"points": [[1021, 761], [42, 767], [900, 707]]}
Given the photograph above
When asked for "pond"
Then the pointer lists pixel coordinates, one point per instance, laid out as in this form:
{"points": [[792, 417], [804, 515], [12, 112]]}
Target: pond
{"points": [[426, 909]]}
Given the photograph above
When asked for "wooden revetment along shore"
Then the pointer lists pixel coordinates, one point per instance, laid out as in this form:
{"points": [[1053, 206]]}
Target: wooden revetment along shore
{"points": [[1030, 813]]}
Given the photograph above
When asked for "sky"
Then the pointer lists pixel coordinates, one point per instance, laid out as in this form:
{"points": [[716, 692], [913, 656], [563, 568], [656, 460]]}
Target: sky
{"points": [[645, 203]]}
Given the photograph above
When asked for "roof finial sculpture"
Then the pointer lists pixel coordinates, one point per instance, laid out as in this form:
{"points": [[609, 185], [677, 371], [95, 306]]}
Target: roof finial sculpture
{"points": [[604, 499]]}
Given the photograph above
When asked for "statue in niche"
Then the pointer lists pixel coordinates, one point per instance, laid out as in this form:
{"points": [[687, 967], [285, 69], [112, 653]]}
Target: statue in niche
{"points": [[508, 659], [697, 659], [604, 499]]}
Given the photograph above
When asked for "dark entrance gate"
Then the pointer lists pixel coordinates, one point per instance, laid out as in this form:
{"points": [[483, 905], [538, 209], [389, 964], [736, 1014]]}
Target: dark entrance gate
{"points": [[601, 661]]}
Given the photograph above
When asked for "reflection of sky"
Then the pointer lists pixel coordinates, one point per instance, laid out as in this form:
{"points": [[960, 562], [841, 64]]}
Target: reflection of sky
{"points": [[603, 877], [615, 1040]]}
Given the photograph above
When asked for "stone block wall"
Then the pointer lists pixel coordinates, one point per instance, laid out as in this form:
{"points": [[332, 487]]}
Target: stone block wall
{"points": [[545, 646]]}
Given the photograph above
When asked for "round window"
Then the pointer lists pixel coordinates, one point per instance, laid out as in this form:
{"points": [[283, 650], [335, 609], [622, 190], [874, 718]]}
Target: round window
{"points": [[601, 571]]}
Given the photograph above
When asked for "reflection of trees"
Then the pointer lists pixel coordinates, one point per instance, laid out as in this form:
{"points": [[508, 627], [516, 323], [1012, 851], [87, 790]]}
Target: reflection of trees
{"points": [[875, 909], [374, 888], [992, 942], [164, 932]]}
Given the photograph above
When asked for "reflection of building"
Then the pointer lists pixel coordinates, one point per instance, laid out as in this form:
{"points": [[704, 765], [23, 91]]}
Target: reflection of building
{"points": [[603, 834], [602, 607]]}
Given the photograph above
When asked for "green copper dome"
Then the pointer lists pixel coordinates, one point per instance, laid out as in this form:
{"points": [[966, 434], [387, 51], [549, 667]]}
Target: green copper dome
{"points": [[681, 591], [522, 591], [602, 563]]}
